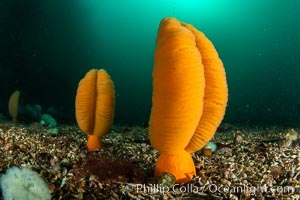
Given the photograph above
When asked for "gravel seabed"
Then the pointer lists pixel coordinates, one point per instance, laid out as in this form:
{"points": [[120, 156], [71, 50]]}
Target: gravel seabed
{"points": [[251, 162]]}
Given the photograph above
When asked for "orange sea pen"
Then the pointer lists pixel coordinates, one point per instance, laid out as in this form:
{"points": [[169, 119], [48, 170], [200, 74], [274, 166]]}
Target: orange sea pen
{"points": [[183, 95], [13, 105], [95, 103]]}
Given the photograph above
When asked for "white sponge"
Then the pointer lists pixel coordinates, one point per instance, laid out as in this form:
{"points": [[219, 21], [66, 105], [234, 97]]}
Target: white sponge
{"points": [[23, 184]]}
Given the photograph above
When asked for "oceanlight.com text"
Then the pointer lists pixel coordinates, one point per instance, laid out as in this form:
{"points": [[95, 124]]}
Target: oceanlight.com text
{"points": [[211, 188]]}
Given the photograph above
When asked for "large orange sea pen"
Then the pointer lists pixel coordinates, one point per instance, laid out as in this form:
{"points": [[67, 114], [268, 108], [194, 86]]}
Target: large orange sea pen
{"points": [[189, 96]]}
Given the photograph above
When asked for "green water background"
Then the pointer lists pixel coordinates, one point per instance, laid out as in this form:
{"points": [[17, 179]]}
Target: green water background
{"points": [[48, 46]]}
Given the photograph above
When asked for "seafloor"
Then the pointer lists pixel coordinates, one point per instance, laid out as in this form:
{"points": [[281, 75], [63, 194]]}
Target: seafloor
{"points": [[250, 163]]}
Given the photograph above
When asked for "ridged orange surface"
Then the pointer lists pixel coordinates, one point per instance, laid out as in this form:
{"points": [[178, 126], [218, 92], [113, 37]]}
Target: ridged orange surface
{"points": [[178, 88], [181, 97], [95, 102], [13, 105], [215, 95]]}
